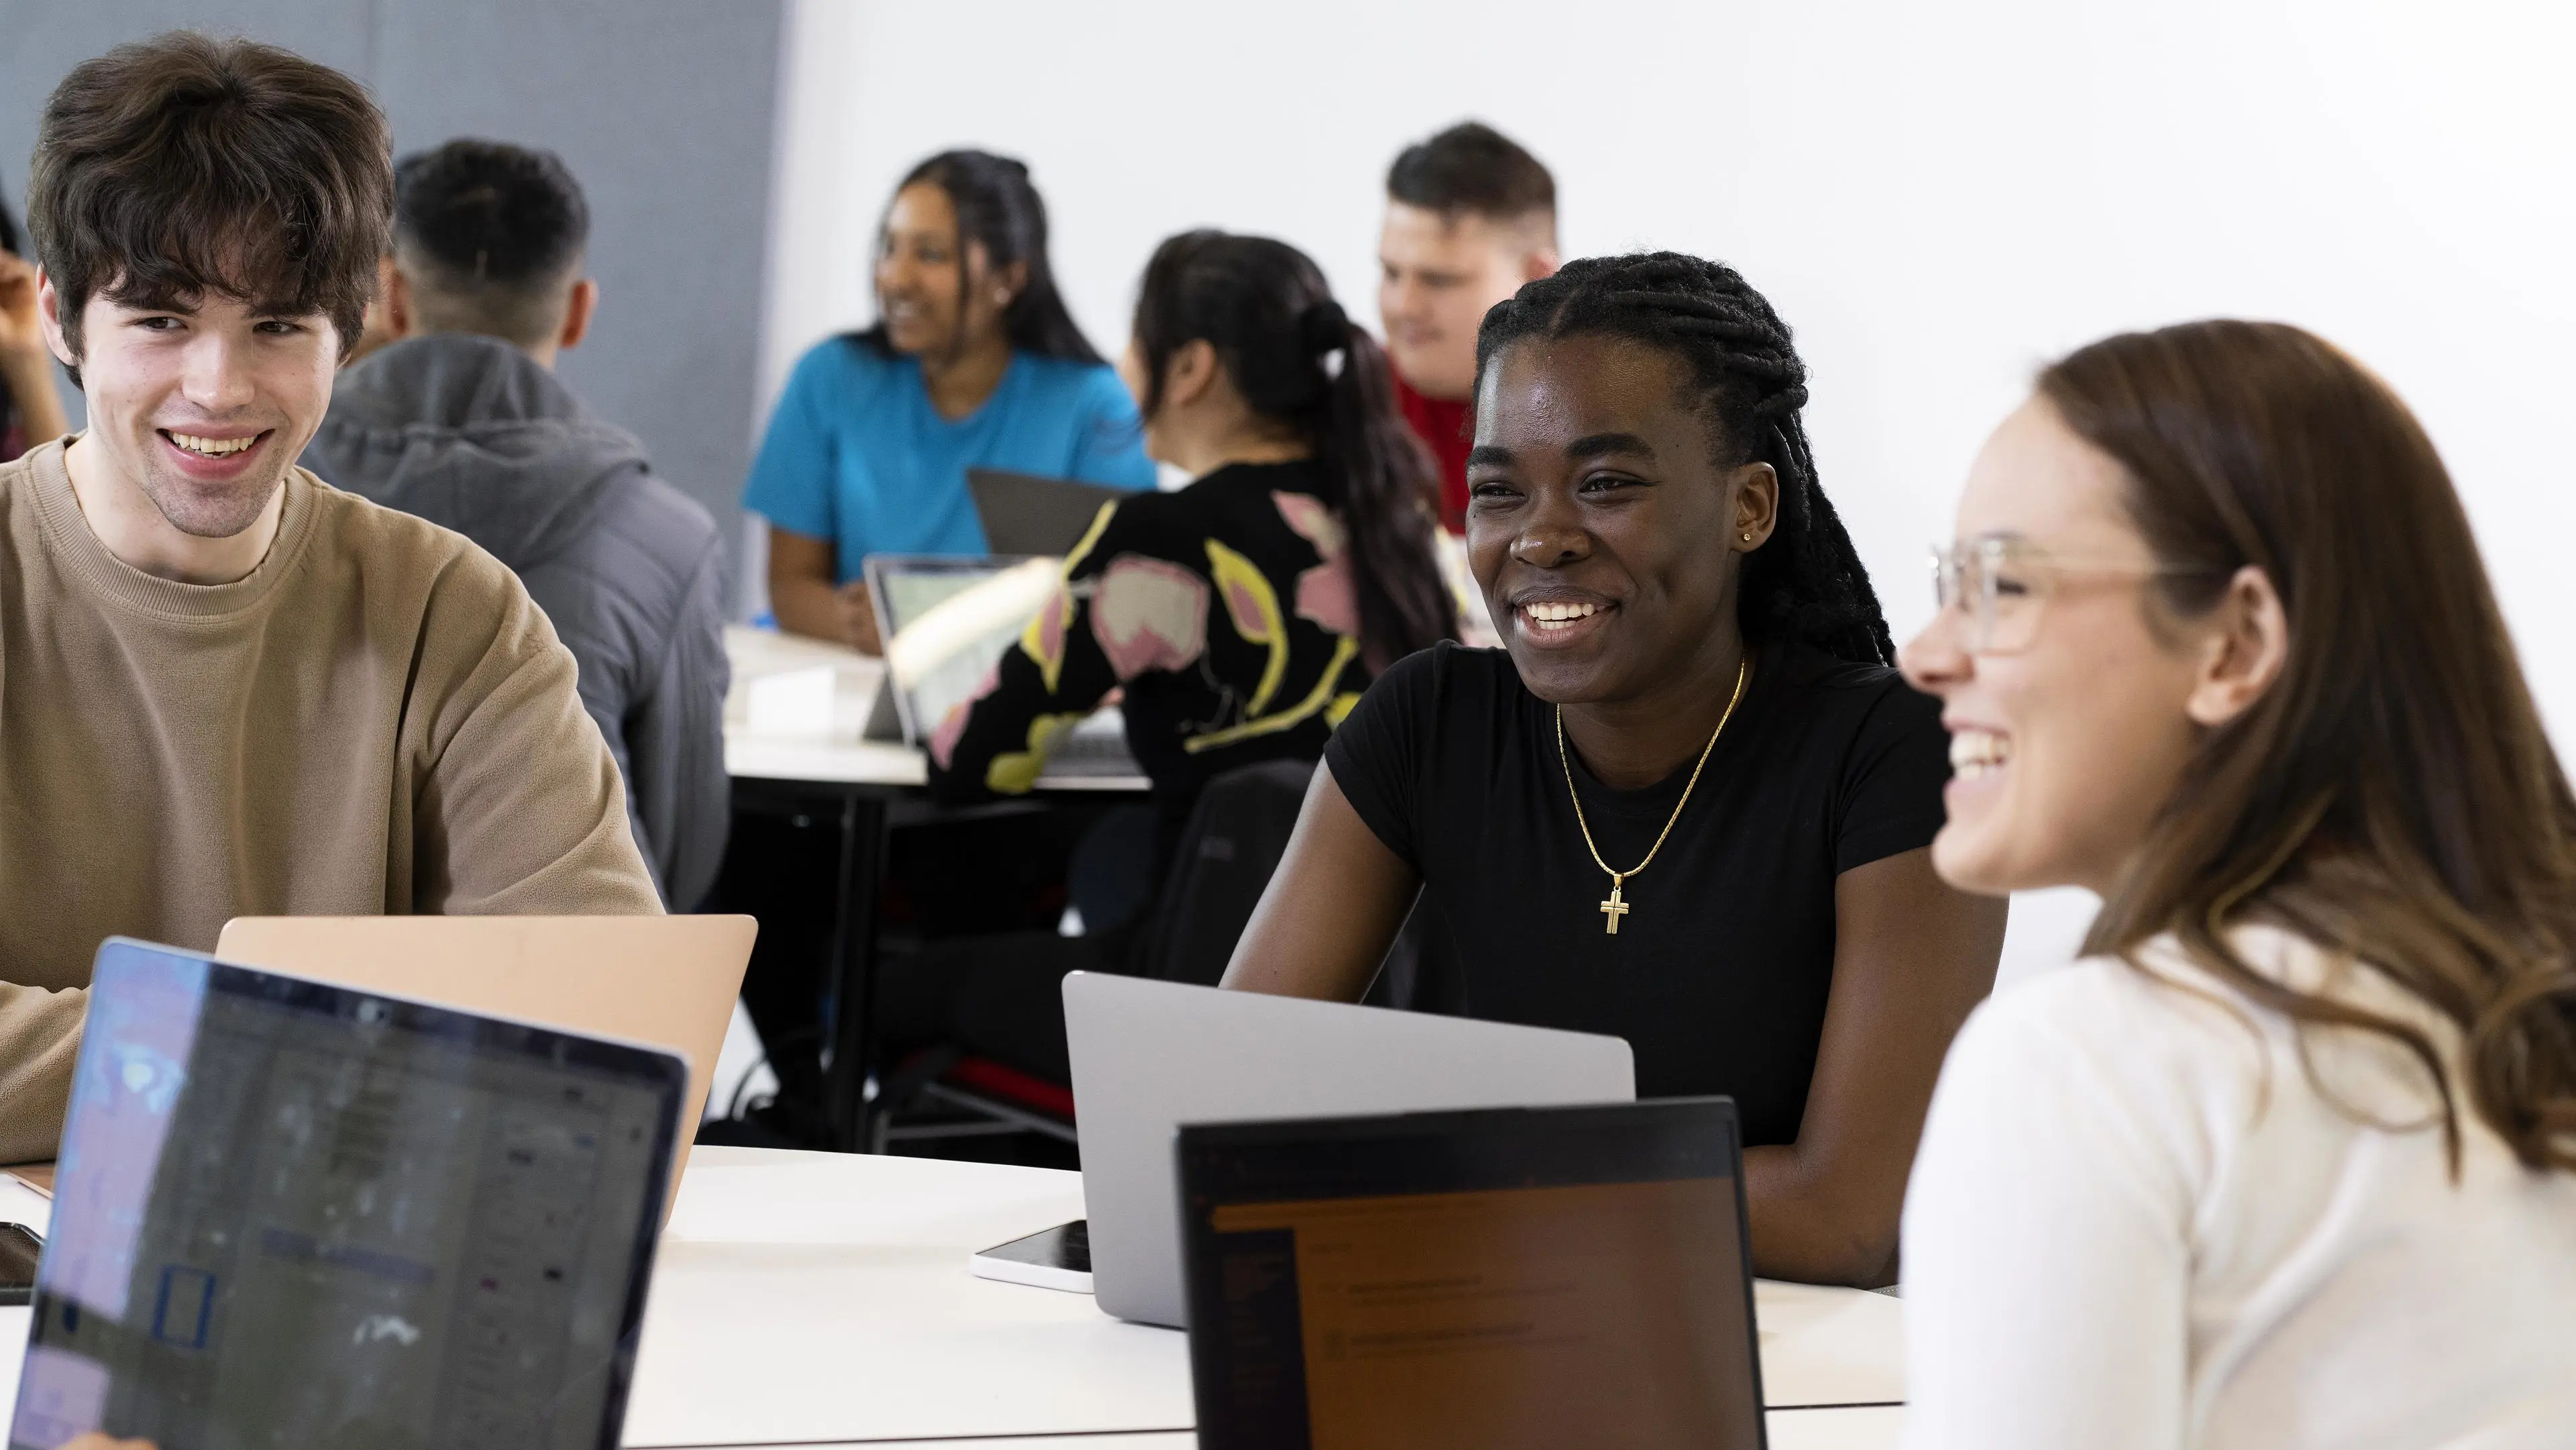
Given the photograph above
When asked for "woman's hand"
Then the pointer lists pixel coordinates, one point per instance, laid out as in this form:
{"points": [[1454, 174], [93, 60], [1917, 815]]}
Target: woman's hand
{"points": [[858, 617], [807, 602]]}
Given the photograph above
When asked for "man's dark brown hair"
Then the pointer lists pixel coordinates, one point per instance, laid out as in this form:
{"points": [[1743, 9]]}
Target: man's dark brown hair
{"points": [[1471, 169], [183, 166]]}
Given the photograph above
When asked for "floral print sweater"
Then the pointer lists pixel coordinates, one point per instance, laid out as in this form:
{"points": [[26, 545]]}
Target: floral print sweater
{"points": [[1225, 614]]}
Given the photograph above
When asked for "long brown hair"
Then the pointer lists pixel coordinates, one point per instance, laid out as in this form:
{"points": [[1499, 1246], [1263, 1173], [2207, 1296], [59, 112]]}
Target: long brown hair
{"points": [[2392, 797]]}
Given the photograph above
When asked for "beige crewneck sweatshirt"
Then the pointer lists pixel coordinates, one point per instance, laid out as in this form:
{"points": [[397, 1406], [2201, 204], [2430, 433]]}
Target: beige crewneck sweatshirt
{"points": [[376, 720]]}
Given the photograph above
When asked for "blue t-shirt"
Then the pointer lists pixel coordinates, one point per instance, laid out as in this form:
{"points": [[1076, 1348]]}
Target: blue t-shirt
{"points": [[856, 454]]}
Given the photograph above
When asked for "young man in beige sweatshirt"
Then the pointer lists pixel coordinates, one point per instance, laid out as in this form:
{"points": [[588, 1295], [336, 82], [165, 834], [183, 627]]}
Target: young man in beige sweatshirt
{"points": [[226, 688]]}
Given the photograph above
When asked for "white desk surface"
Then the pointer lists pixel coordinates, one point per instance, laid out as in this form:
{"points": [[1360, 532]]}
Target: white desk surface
{"points": [[823, 1299], [820, 1297], [839, 758]]}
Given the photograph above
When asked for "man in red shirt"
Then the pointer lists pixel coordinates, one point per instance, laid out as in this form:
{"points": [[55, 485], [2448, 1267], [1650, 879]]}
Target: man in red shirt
{"points": [[1470, 216]]}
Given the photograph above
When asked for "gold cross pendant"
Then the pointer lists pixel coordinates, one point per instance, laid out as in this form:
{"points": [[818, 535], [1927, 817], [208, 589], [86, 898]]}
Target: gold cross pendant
{"points": [[1614, 908]]}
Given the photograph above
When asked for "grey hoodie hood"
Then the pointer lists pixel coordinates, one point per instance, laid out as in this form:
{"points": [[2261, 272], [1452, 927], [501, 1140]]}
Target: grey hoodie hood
{"points": [[472, 433]]}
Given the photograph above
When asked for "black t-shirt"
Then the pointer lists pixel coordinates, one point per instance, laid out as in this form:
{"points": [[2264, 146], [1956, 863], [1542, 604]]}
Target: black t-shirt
{"points": [[1719, 972]]}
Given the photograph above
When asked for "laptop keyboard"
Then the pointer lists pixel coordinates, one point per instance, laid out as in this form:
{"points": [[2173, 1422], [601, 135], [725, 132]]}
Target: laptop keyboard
{"points": [[1096, 747]]}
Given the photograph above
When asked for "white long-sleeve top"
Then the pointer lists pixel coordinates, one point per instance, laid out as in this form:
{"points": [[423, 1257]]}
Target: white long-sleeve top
{"points": [[2135, 1221]]}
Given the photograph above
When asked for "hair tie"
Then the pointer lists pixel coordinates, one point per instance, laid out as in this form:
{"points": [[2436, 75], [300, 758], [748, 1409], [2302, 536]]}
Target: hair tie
{"points": [[1325, 330]]}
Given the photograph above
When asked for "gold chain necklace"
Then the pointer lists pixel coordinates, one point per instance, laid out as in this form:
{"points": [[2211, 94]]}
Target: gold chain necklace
{"points": [[1616, 908]]}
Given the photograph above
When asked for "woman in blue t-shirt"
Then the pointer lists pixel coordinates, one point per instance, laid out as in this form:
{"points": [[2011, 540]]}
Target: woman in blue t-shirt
{"points": [[973, 363]]}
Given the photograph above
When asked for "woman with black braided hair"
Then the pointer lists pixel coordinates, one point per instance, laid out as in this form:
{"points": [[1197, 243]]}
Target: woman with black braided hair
{"points": [[1689, 803]]}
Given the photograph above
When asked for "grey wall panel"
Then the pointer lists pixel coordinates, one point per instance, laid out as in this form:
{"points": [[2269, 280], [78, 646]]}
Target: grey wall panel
{"points": [[664, 108]]}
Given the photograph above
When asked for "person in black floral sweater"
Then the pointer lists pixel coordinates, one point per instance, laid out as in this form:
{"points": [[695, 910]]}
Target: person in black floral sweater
{"points": [[1239, 618], [1242, 615]]}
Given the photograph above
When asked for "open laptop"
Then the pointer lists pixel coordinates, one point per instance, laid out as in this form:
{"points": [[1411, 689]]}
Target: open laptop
{"points": [[1495, 1279], [669, 981], [1030, 513], [946, 622], [1149, 1056], [290, 1213]]}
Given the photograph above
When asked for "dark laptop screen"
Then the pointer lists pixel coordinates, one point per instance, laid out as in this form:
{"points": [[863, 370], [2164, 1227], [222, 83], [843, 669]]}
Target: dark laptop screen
{"points": [[291, 1215], [1525, 1277]]}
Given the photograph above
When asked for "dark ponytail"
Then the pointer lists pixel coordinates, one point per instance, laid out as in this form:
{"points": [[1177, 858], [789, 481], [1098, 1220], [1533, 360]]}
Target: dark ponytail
{"points": [[999, 211], [1295, 356]]}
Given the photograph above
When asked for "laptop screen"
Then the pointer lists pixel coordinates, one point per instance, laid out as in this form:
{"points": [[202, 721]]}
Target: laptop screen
{"points": [[1519, 1277], [289, 1214], [946, 623]]}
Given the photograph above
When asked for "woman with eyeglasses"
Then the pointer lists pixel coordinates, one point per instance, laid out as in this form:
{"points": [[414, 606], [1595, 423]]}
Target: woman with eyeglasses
{"points": [[1688, 804], [2290, 1158]]}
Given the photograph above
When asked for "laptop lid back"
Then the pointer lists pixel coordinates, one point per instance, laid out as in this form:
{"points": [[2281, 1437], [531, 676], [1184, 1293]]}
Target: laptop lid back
{"points": [[1030, 513], [1493, 1279], [1149, 1056], [289, 1213], [667, 981]]}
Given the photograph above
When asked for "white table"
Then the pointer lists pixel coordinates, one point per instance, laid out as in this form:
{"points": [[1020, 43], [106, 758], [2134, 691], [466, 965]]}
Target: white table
{"points": [[830, 774], [835, 755], [822, 1299]]}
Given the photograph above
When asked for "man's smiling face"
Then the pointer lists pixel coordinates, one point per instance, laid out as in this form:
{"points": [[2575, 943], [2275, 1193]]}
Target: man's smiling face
{"points": [[203, 403]]}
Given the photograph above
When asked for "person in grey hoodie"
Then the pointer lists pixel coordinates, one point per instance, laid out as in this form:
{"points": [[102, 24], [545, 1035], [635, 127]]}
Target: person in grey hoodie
{"points": [[462, 421]]}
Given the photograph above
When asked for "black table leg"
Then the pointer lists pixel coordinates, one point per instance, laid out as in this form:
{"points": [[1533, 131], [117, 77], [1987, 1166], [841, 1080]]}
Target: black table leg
{"points": [[853, 965]]}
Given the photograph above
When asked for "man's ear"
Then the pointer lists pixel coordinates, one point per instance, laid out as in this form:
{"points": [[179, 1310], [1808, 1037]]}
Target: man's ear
{"points": [[2247, 648], [1540, 262], [49, 315], [578, 310]]}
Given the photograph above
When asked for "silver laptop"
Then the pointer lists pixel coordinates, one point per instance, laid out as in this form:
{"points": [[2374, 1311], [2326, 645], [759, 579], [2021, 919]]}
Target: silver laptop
{"points": [[292, 1213], [1149, 1056], [946, 622]]}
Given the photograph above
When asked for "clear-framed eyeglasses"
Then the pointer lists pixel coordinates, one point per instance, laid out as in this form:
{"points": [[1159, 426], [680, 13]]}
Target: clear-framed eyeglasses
{"points": [[1999, 584]]}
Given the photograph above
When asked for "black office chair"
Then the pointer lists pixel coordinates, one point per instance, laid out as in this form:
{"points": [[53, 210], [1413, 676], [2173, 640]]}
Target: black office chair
{"points": [[1235, 838]]}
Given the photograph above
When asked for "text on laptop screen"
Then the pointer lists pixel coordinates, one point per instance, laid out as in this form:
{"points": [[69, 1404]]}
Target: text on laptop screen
{"points": [[294, 1216], [1503, 1294]]}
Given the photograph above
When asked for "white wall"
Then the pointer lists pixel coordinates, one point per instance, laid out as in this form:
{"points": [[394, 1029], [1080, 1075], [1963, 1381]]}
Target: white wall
{"points": [[1938, 198]]}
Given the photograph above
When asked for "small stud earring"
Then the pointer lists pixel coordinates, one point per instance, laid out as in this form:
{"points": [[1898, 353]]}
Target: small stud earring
{"points": [[1748, 538]]}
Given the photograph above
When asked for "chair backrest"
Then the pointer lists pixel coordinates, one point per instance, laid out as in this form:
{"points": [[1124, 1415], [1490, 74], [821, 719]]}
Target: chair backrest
{"points": [[1235, 838]]}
